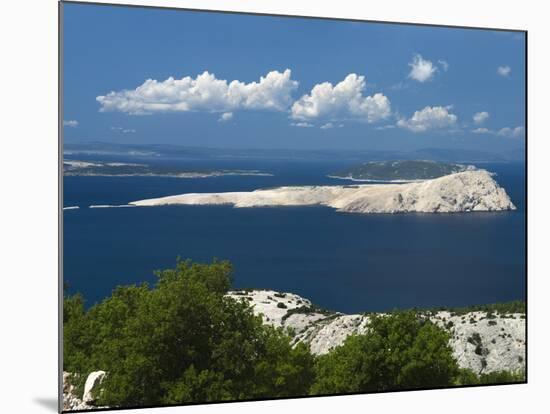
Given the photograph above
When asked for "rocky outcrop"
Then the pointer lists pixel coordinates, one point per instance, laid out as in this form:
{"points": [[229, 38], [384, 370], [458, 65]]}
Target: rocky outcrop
{"points": [[72, 401], [461, 192], [91, 388], [480, 341]]}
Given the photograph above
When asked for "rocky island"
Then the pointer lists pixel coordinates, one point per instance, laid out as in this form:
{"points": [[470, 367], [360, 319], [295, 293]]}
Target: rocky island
{"points": [[123, 169], [471, 190]]}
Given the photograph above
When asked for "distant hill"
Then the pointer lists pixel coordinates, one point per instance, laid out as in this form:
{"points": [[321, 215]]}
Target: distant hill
{"points": [[406, 170], [145, 151]]}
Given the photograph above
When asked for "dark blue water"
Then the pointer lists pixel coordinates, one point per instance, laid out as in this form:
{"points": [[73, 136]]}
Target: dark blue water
{"points": [[345, 262]]}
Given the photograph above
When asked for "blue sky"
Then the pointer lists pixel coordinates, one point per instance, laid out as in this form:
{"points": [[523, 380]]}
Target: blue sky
{"points": [[326, 84]]}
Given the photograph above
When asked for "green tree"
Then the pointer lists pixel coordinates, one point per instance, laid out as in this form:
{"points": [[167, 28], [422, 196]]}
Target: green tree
{"points": [[400, 351], [468, 377], [182, 341]]}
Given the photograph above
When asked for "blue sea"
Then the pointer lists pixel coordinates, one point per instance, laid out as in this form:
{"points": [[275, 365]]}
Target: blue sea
{"points": [[343, 262]]}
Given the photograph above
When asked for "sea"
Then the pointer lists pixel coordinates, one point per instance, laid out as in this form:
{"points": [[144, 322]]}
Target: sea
{"points": [[340, 261]]}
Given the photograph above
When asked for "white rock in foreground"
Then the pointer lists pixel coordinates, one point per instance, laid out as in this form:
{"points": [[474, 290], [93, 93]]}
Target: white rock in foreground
{"points": [[73, 402], [460, 192], [94, 379], [480, 342]]}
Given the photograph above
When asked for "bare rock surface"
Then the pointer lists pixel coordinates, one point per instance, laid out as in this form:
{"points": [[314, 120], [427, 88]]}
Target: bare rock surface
{"points": [[472, 190], [480, 341], [72, 401], [92, 385]]}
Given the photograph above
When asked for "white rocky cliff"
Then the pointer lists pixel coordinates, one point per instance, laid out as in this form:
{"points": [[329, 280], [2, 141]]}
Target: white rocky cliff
{"points": [[481, 342], [461, 192]]}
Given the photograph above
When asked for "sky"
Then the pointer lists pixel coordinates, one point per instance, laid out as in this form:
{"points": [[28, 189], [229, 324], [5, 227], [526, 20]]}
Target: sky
{"points": [[137, 75]]}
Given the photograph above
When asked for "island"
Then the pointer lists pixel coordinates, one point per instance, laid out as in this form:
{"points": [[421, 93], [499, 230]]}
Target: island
{"points": [[471, 190], [123, 169], [400, 171]]}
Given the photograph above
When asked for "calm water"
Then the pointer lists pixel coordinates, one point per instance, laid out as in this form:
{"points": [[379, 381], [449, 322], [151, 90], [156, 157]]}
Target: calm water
{"points": [[345, 262]]}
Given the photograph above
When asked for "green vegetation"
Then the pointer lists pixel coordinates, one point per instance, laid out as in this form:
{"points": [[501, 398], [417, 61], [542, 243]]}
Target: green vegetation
{"points": [[400, 170], [184, 341], [401, 351], [469, 377], [306, 310], [516, 306]]}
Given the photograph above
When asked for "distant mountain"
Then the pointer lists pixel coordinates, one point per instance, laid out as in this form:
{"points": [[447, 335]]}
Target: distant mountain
{"points": [[406, 170], [112, 150]]}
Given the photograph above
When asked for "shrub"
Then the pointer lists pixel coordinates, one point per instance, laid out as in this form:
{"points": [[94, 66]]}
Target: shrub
{"points": [[281, 305], [468, 377], [182, 341], [401, 351]]}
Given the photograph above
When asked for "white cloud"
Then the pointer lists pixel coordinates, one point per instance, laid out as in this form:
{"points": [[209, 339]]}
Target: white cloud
{"points": [[504, 70], [511, 132], [203, 93], [480, 117], [384, 127], [421, 69], [123, 130], [482, 131], [342, 101], [444, 64], [302, 124], [431, 117], [330, 125], [70, 123], [226, 116], [503, 132]]}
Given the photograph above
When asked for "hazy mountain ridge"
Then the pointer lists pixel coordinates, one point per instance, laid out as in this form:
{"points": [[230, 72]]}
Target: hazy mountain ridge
{"points": [[178, 151]]}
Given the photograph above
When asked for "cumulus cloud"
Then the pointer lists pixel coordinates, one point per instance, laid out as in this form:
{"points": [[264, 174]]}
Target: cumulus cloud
{"points": [[384, 127], [511, 132], [330, 125], [302, 124], [444, 64], [123, 130], [503, 132], [70, 123], [504, 70], [421, 69], [342, 101], [226, 116], [480, 117], [203, 93], [431, 117]]}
